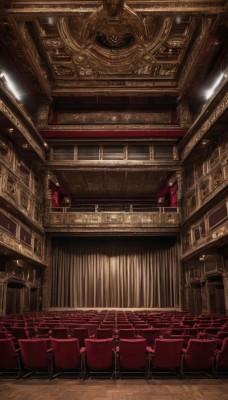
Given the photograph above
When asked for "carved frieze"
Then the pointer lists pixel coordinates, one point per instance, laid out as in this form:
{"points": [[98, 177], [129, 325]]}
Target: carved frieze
{"points": [[114, 220], [209, 228], [21, 127], [204, 189], [18, 237], [13, 190], [114, 117], [217, 178], [211, 119], [208, 176]]}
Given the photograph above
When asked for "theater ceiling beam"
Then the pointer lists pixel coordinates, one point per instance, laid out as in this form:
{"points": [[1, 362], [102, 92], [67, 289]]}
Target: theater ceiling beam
{"points": [[56, 7]]}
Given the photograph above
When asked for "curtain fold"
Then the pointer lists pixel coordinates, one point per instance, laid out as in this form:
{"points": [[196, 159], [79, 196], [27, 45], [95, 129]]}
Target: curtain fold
{"points": [[115, 272]]}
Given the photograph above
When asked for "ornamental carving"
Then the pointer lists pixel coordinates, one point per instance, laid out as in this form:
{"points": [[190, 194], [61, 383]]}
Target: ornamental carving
{"points": [[114, 221], [217, 178], [114, 117], [204, 189], [102, 41]]}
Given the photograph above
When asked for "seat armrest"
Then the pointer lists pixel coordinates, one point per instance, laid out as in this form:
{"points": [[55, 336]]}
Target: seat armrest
{"points": [[149, 350]]}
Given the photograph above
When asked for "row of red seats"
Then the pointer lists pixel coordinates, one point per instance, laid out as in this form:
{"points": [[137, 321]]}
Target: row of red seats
{"points": [[114, 324], [100, 355], [91, 331]]}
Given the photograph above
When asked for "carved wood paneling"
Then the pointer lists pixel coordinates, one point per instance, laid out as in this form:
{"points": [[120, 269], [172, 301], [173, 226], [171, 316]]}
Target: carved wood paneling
{"points": [[210, 228]]}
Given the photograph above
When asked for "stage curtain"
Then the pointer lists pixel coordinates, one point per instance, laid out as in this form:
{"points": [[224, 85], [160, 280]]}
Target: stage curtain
{"points": [[115, 272]]}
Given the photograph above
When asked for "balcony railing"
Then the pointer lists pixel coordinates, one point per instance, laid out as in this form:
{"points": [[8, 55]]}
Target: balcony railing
{"points": [[114, 208], [111, 219]]}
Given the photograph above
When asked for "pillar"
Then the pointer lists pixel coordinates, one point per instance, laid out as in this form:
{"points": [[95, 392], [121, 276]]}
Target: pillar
{"points": [[225, 284]]}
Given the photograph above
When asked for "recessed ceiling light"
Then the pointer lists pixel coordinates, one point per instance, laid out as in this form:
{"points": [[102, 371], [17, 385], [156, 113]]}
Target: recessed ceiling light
{"points": [[178, 19]]}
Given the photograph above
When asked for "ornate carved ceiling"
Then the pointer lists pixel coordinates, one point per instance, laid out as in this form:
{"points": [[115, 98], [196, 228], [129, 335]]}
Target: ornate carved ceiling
{"points": [[114, 46]]}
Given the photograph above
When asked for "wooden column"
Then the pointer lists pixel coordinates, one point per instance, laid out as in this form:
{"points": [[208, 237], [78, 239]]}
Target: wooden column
{"points": [[225, 283]]}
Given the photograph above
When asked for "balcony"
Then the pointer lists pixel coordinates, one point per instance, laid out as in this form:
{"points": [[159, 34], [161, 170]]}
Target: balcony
{"points": [[114, 219]]}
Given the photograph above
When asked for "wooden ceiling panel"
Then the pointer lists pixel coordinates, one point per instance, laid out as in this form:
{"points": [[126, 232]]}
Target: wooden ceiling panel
{"points": [[109, 183]]}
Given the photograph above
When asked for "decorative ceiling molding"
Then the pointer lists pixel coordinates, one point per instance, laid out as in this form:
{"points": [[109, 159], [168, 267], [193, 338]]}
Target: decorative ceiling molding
{"points": [[58, 6]]}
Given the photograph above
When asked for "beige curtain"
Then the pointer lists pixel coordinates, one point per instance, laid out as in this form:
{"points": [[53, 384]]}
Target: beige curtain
{"points": [[115, 272]]}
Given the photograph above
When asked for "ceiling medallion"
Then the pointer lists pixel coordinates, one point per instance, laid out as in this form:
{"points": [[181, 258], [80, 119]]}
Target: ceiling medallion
{"points": [[113, 39], [114, 26]]}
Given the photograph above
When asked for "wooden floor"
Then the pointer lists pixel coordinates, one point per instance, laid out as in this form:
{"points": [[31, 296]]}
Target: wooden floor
{"points": [[124, 389]]}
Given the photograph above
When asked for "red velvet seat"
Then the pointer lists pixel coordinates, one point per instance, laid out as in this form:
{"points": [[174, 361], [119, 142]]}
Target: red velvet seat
{"points": [[60, 333], [19, 332], [140, 327], [4, 334], [151, 335], [199, 356], [104, 333], [9, 356], [35, 356], [67, 355], [81, 334], [100, 356], [106, 326], [92, 328], [132, 356], [42, 332], [126, 333], [221, 358], [166, 355], [124, 326]]}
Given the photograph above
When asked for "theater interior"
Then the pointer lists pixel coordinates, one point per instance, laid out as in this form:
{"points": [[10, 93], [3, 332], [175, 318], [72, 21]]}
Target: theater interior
{"points": [[113, 190]]}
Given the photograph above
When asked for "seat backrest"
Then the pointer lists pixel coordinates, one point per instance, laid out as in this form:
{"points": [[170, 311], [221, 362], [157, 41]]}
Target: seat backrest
{"points": [[124, 326], [132, 354], [66, 353], [20, 332], [60, 333], [99, 354], [8, 355], [106, 326], [199, 353], [3, 334], [81, 334], [167, 353], [42, 330], [104, 333], [92, 328], [222, 334], [126, 333], [34, 353], [150, 335], [222, 355]]}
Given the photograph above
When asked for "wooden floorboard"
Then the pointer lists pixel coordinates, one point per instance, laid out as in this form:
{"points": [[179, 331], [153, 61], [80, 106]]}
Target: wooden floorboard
{"points": [[104, 389]]}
